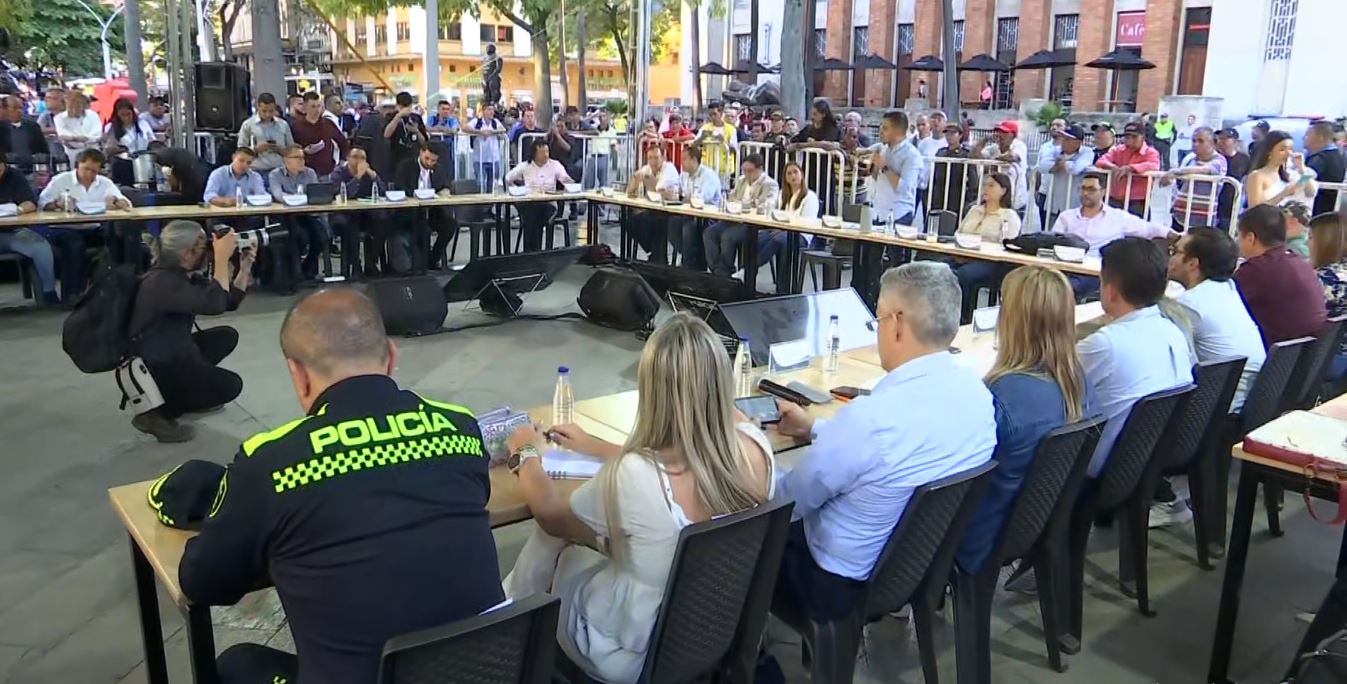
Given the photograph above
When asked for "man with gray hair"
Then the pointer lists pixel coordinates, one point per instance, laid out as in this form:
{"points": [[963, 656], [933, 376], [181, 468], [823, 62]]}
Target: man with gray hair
{"points": [[854, 120], [927, 418], [183, 363]]}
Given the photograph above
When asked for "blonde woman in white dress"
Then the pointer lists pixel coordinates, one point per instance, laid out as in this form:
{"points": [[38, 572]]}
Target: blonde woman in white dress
{"points": [[607, 551]]}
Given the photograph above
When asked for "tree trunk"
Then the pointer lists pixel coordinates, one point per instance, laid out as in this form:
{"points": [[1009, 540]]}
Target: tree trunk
{"points": [[792, 58], [561, 59], [583, 42], [697, 55], [268, 63], [542, 77], [135, 58]]}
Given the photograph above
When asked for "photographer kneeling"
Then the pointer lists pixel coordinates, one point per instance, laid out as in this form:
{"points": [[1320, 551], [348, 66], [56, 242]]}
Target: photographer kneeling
{"points": [[184, 364]]}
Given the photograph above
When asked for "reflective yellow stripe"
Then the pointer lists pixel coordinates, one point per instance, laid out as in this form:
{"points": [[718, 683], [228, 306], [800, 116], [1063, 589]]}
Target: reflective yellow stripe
{"points": [[448, 407], [153, 496], [257, 440], [220, 493]]}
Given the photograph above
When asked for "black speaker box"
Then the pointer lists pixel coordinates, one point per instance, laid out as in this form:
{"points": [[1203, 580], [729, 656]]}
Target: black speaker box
{"points": [[223, 100], [619, 298], [410, 306]]}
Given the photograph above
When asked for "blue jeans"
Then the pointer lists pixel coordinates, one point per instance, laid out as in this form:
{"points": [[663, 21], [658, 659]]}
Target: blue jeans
{"points": [[973, 276], [596, 172], [30, 244], [487, 174], [723, 239]]}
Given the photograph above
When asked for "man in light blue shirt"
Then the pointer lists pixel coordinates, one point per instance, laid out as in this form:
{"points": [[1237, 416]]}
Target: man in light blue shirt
{"points": [[1061, 165], [698, 180], [223, 183], [927, 419], [898, 171], [1139, 352]]}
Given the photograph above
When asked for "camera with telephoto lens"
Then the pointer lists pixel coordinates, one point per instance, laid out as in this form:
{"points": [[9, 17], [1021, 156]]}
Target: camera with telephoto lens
{"points": [[252, 239]]}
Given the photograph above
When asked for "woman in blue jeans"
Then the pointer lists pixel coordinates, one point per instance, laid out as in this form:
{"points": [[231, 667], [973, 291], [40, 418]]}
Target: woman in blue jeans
{"points": [[1330, 263], [1037, 385]]}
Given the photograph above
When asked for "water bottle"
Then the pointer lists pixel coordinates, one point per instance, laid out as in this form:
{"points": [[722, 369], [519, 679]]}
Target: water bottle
{"points": [[743, 370], [67, 202], [374, 192], [238, 196], [563, 399], [299, 189], [890, 229], [865, 218], [834, 346], [341, 193]]}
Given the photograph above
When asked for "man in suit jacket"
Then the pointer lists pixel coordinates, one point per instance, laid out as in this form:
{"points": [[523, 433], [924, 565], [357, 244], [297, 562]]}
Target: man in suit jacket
{"points": [[22, 136], [424, 171]]}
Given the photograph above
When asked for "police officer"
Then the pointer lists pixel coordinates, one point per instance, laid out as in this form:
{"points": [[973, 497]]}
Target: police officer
{"points": [[368, 514]]}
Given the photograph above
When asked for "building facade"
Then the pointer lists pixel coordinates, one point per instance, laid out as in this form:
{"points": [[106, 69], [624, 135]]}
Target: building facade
{"points": [[387, 53]]}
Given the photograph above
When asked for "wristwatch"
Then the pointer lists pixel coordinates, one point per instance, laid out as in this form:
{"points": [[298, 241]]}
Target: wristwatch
{"points": [[516, 459]]}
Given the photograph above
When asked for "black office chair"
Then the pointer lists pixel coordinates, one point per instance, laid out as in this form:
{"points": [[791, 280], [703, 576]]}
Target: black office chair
{"points": [[1136, 445], [1034, 530], [912, 569], [514, 644], [477, 218], [1193, 439], [716, 599]]}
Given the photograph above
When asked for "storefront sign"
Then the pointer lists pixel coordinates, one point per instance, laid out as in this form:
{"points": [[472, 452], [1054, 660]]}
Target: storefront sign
{"points": [[1131, 29]]}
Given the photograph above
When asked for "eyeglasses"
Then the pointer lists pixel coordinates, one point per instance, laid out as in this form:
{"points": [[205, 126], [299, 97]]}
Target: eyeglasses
{"points": [[294, 156], [873, 324]]}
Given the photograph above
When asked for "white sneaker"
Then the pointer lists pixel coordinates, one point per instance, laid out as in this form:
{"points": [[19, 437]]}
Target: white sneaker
{"points": [[1163, 514], [1179, 483]]}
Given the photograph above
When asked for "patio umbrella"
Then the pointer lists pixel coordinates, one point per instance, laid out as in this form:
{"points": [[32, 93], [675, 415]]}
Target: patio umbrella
{"points": [[927, 63], [983, 62], [873, 61], [832, 64], [1047, 59], [1120, 60], [714, 69], [743, 68]]}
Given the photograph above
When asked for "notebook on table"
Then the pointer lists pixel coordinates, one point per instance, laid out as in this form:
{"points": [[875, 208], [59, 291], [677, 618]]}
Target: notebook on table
{"points": [[1313, 442], [568, 465]]}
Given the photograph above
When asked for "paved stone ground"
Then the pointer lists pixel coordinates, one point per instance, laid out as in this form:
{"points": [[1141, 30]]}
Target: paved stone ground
{"points": [[67, 607]]}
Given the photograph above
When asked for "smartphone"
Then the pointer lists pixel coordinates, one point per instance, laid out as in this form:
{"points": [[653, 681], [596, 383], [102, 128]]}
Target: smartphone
{"points": [[760, 408], [847, 392]]}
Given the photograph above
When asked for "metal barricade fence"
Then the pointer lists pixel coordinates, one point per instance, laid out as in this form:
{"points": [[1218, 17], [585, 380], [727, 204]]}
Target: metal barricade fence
{"points": [[475, 163], [953, 183], [1206, 199], [823, 171]]}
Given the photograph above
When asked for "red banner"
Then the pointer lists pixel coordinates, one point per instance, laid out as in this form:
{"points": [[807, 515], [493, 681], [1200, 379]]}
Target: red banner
{"points": [[1131, 29]]}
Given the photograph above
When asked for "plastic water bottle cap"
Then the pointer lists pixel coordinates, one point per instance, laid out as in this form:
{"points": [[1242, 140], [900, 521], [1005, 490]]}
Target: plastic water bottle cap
{"points": [[743, 339], [832, 318], [563, 370]]}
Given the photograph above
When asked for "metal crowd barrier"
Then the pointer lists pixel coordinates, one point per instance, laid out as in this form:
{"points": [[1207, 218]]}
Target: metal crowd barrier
{"points": [[945, 173], [1203, 190]]}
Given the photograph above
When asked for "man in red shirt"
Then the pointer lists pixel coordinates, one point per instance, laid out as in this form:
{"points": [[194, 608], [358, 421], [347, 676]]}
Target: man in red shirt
{"points": [[1125, 163], [319, 136], [678, 136], [1280, 289]]}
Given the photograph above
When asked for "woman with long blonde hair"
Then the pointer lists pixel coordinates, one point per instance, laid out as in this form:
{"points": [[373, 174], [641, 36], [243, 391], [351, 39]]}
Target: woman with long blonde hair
{"points": [[1037, 385], [690, 457]]}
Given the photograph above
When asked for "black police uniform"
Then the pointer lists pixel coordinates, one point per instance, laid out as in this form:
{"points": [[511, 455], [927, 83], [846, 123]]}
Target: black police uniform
{"points": [[369, 516]]}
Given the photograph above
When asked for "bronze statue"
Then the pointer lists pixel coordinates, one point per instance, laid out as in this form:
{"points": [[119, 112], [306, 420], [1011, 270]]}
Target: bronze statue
{"points": [[491, 66]]}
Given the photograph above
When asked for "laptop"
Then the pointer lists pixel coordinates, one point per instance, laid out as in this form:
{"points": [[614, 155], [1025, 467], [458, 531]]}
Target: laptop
{"points": [[321, 193]]}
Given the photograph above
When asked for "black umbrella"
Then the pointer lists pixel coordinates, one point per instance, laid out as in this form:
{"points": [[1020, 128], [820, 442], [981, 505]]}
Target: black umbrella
{"points": [[1121, 60], [744, 68], [873, 61], [832, 64], [715, 69], [1047, 59], [983, 62], [927, 63]]}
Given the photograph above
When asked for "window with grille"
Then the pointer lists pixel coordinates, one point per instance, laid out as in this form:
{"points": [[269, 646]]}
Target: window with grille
{"points": [[907, 39], [1007, 34], [361, 34], [958, 36], [743, 48], [404, 30], [820, 42], [381, 33], [860, 43], [451, 31], [487, 32], [1064, 31], [1007, 43], [1281, 30]]}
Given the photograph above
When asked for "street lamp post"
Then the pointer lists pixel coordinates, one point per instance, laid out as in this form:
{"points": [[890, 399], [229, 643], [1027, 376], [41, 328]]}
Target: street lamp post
{"points": [[105, 25]]}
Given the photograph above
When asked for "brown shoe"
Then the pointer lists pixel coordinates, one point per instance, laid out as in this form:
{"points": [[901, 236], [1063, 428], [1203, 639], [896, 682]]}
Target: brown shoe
{"points": [[164, 429]]}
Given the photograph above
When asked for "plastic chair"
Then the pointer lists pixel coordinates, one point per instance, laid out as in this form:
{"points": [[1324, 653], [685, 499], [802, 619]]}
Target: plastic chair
{"points": [[477, 218], [912, 569], [1136, 445], [514, 644], [1192, 442], [1034, 530]]}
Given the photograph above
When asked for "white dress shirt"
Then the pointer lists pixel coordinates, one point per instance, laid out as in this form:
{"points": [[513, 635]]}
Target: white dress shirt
{"points": [[87, 127], [1222, 328], [1018, 171], [98, 192], [1105, 227], [1136, 355], [927, 419]]}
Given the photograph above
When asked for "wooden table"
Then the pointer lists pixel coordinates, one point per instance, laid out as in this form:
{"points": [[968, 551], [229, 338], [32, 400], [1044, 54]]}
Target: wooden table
{"points": [[1255, 471], [156, 552]]}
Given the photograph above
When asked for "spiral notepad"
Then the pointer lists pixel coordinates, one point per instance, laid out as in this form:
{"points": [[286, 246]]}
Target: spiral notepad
{"points": [[568, 465]]}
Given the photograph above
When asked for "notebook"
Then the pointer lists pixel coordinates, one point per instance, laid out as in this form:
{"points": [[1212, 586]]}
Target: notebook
{"points": [[568, 465]]}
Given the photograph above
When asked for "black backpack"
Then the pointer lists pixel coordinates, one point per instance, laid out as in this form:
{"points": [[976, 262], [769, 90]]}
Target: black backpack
{"points": [[95, 333]]}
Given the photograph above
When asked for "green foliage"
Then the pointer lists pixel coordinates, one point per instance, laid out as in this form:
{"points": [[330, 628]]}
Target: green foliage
{"points": [[62, 34], [616, 107], [1045, 114]]}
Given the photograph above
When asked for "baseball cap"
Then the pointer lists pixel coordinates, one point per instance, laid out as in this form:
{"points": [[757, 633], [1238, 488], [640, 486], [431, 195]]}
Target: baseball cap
{"points": [[1103, 126], [953, 127], [183, 498], [1263, 125], [1073, 132], [1008, 126], [1134, 128], [776, 116], [1164, 115], [1228, 133]]}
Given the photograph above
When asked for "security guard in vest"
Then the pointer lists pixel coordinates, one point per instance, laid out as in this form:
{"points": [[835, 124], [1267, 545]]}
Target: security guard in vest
{"points": [[368, 514]]}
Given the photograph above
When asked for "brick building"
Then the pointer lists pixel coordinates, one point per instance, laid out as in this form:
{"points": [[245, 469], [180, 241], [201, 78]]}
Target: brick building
{"points": [[1170, 33]]}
